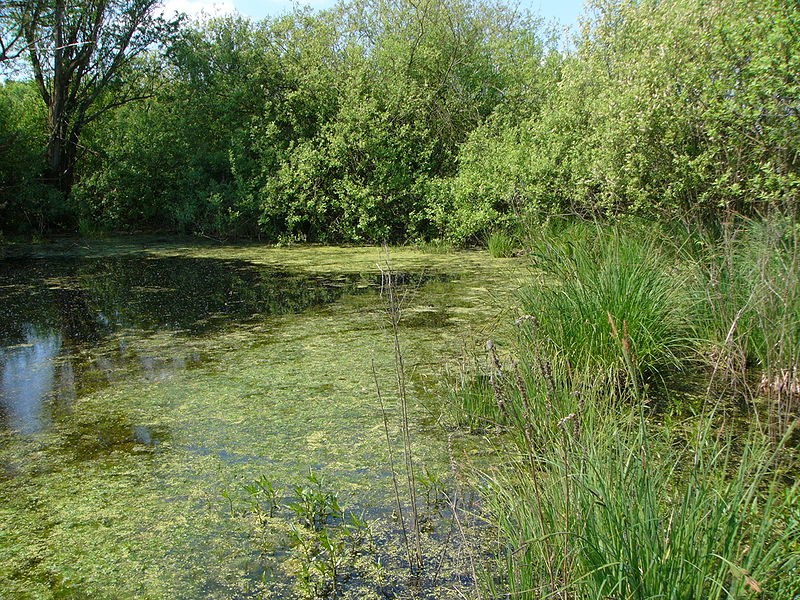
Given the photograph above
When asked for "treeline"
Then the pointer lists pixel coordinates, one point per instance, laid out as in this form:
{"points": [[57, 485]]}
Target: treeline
{"points": [[425, 119]]}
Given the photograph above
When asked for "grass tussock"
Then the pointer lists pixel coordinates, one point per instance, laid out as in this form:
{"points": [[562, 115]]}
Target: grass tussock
{"points": [[610, 507], [609, 302], [605, 498], [500, 245], [605, 502], [747, 290]]}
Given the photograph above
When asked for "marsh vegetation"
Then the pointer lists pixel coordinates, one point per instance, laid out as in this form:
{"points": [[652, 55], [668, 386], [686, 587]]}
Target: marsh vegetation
{"points": [[602, 404], [650, 425]]}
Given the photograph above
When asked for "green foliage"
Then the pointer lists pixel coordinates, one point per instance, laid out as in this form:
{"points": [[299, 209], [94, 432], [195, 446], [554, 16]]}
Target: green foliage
{"points": [[180, 161], [319, 545], [263, 497], [606, 501], [611, 500], [331, 126], [689, 105], [473, 403], [406, 120], [609, 301], [747, 289], [313, 506], [679, 107], [26, 206], [84, 59], [500, 245], [610, 506]]}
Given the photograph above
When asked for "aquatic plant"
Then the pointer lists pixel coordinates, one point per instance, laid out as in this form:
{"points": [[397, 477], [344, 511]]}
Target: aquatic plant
{"points": [[236, 402], [602, 503], [500, 245], [435, 246], [472, 403], [315, 541], [263, 497], [747, 291], [313, 505]]}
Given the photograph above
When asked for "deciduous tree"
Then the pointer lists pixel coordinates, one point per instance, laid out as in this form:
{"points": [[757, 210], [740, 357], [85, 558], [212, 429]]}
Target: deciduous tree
{"points": [[80, 53]]}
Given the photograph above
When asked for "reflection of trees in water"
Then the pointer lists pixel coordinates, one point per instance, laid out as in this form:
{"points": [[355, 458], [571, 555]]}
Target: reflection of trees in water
{"points": [[53, 311], [85, 300], [80, 324], [200, 295]]}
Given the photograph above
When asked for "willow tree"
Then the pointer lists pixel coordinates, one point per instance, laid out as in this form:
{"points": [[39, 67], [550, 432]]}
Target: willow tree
{"points": [[80, 55], [12, 30]]}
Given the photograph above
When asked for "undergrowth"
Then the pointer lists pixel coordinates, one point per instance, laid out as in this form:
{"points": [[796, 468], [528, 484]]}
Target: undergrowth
{"points": [[747, 298], [601, 497], [609, 301], [500, 245]]}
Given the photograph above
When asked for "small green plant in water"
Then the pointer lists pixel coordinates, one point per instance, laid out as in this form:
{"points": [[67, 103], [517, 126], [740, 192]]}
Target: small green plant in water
{"points": [[262, 497], [314, 506], [500, 245], [318, 544]]}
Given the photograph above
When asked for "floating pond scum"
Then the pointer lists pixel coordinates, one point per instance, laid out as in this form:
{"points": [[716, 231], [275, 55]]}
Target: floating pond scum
{"points": [[166, 410]]}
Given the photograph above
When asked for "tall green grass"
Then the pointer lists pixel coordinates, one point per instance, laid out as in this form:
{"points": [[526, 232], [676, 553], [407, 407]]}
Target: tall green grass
{"points": [[500, 245], [603, 500], [603, 504], [747, 290], [610, 301]]}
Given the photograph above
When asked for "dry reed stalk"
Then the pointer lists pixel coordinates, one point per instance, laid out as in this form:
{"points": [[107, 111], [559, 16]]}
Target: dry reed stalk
{"points": [[389, 287]]}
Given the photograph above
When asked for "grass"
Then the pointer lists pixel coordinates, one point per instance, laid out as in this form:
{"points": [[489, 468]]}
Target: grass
{"points": [[605, 502], [605, 499], [617, 509], [500, 245], [609, 302], [473, 404], [747, 290]]}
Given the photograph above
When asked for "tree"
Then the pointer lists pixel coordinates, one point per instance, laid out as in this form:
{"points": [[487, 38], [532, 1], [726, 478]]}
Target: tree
{"points": [[12, 30], [81, 52]]}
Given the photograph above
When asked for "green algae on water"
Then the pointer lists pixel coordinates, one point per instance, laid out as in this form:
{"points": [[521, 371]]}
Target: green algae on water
{"points": [[143, 384]]}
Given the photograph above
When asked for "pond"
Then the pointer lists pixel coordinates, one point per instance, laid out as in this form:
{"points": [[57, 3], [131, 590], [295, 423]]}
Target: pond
{"points": [[146, 384]]}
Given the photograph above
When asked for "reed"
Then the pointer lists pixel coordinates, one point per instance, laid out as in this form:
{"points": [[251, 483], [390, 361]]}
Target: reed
{"points": [[601, 503], [500, 245], [747, 298], [412, 529]]}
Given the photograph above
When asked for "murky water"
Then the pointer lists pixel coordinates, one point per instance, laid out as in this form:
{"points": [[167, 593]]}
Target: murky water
{"points": [[142, 387]]}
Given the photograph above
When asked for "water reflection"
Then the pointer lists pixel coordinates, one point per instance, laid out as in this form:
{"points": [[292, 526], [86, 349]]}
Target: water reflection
{"points": [[86, 300], [68, 326], [29, 377]]}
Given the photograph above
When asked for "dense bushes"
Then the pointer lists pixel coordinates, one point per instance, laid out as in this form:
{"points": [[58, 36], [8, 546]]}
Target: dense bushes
{"points": [[25, 203], [680, 108], [433, 119]]}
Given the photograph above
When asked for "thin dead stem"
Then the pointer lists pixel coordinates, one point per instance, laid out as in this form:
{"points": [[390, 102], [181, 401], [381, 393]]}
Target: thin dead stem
{"points": [[392, 464], [389, 287]]}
